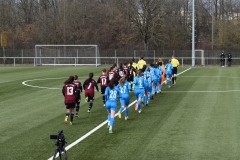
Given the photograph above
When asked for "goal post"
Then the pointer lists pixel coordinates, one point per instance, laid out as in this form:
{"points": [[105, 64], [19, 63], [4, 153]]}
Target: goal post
{"points": [[67, 55], [200, 53]]}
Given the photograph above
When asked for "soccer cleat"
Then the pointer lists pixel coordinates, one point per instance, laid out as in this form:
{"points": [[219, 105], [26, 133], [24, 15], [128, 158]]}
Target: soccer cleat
{"points": [[86, 99], [88, 111], [140, 111], [70, 123], [108, 126], [104, 105], [66, 120], [119, 114], [76, 115], [126, 118], [110, 131]]}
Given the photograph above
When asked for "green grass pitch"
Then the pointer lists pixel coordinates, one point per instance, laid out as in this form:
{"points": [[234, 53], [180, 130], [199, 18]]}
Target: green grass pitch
{"points": [[196, 119]]}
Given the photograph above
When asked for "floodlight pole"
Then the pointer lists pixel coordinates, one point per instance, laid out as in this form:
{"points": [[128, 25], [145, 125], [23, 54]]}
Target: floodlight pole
{"points": [[193, 33], [212, 25]]}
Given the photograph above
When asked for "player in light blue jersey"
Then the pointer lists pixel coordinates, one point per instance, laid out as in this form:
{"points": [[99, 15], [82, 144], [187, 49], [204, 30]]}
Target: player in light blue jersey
{"points": [[111, 95], [139, 89], [159, 66], [124, 87], [169, 68], [145, 81], [154, 78], [157, 73], [148, 86]]}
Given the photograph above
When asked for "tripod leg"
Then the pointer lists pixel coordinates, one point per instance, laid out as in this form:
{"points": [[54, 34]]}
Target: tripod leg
{"points": [[54, 156], [60, 155], [65, 152]]}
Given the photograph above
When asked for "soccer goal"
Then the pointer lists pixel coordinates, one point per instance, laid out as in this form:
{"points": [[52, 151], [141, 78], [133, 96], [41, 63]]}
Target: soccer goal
{"points": [[66, 55]]}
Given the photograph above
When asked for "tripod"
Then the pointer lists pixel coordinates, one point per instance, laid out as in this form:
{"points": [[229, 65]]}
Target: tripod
{"points": [[60, 150]]}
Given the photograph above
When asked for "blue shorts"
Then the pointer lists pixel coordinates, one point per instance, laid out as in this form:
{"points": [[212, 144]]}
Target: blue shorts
{"points": [[139, 93], [169, 74], [125, 99], [149, 88], [160, 80], [111, 105], [155, 82]]}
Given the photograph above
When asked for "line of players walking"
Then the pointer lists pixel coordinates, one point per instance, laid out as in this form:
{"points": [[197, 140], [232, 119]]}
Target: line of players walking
{"points": [[117, 83]]}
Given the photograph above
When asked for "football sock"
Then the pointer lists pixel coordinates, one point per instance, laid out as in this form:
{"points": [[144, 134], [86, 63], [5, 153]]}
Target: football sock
{"points": [[90, 106], [103, 98], [126, 112], [71, 117], [109, 118], [67, 114], [112, 122], [139, 105], [77, 108], [120, 110]]}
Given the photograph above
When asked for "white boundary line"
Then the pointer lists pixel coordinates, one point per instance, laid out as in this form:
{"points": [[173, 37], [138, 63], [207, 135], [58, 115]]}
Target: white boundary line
{"points": [[96, 128], [184, 71]]}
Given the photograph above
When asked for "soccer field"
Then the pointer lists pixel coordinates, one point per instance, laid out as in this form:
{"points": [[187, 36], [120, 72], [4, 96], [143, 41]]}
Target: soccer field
{"points": [[196, 119]]}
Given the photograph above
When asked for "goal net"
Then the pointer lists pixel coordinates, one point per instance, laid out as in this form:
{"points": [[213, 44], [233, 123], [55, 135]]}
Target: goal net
{"points": [[69, 55]]}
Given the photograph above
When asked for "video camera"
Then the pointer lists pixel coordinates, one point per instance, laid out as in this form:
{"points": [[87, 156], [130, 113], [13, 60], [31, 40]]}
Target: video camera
{"points": [[60, 140]]}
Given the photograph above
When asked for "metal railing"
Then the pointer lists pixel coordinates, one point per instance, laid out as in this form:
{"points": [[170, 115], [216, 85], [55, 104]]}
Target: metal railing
{"points": [[81, 61]]}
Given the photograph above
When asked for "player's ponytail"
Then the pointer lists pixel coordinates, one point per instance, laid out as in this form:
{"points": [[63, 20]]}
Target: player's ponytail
{"points": [[122, 80], [69, 80], [112, 83]]}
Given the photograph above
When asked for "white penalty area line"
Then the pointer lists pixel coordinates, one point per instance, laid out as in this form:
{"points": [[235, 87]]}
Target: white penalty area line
{"points": [[89, 133], [98, 127]]}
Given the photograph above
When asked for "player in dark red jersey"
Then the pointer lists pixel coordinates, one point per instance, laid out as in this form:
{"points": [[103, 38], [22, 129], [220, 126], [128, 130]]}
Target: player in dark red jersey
{"points": [[79, 89], [132, 71], [120, 71], [70, 93], [104, 81], [126, 71], [88, 86], [112, 74]]}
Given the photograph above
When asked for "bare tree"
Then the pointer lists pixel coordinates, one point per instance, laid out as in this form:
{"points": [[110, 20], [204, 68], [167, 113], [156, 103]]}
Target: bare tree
{"points": [[142, 14]]}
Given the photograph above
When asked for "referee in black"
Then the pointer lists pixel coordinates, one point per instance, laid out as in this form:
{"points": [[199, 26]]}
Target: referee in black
{"points": [[175, 64]]}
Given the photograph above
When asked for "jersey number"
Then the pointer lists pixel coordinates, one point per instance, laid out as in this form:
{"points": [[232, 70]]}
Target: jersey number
{"points": [[89, 86], [113, 94], [69, 90], [104, 81]]}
